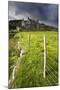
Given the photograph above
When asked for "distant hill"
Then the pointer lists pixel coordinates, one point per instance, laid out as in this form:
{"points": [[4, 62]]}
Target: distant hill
{"points": [[32, 25]]}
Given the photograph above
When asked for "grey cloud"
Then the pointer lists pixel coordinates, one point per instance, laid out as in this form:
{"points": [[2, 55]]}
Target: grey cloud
{"points": [[44, 12]]}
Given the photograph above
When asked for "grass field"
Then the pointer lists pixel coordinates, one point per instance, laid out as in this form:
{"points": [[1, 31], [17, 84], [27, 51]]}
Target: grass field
{"points": [[29, 72]]}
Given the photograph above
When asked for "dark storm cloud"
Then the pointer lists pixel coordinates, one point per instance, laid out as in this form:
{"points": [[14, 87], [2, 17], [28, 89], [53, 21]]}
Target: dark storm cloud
{"points": [[47, 13]]}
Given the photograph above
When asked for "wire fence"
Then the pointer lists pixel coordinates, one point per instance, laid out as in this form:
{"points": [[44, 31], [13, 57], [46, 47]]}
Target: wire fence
{"points": [[49, 67]]}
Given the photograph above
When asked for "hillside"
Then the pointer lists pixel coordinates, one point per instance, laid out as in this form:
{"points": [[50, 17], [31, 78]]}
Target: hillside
{"points": [[32, 25]]}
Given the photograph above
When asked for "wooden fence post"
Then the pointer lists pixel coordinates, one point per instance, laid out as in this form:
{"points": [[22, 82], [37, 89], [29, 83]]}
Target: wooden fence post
{"points": [[44, 55], [29, 39]]}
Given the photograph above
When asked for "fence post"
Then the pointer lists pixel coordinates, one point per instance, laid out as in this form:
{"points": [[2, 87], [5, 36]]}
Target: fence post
{"points": [[29, 39], [44, 55]]}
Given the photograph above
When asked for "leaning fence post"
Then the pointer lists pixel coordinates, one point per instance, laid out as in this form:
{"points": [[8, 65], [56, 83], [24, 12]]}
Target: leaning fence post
{"points": [[44, 54]]}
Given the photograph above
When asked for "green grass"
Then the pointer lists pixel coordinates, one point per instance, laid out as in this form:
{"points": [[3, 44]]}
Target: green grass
{"points": [[30, 70]]}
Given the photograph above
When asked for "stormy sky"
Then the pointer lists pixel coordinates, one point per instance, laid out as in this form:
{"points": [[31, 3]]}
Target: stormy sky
{"points": [[45, 13]]}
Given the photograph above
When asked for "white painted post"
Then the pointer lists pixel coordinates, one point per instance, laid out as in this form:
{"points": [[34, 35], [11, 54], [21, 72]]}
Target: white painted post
{"points": [[44, 54], [18, 45], [29, 39]]}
